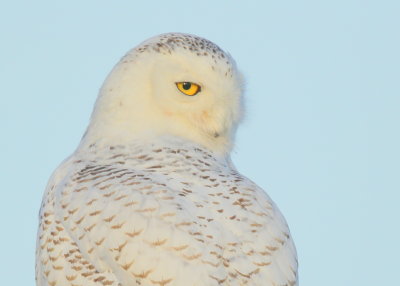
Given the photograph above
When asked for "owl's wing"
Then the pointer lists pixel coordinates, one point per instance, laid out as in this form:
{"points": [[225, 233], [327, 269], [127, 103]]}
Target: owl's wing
{"points": [[267, 237], [59, 260], [115, 215]]}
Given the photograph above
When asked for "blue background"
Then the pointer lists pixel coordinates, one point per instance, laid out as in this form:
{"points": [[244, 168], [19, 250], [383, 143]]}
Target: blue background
{"points": [[321, 134]]}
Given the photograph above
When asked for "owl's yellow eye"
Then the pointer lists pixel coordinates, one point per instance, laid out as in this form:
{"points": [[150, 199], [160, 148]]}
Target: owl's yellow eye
{"points": [[188, 88]]}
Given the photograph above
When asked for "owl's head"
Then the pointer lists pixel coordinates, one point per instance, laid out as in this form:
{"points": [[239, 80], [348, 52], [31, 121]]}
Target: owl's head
{"points": [[173, 84]]}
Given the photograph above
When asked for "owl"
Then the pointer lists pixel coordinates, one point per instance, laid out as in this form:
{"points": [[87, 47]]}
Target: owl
{"points": [[150, 197]]}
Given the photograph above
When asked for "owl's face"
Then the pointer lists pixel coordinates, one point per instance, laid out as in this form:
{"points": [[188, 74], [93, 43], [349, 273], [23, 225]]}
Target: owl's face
{"points": [[174, 84]]}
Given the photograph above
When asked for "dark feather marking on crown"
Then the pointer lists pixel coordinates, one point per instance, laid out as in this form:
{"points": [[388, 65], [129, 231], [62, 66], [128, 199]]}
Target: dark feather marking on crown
{"points": [[168, 43]]}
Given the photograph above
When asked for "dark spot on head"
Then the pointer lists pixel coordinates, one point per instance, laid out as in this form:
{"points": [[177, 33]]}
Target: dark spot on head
{"points": [[168, 42]]}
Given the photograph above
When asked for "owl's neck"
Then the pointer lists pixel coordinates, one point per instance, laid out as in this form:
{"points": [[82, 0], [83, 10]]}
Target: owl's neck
{"points": [[151, 150]]}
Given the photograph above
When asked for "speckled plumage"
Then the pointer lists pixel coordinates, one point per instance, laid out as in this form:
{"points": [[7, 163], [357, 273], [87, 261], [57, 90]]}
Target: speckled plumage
{"points": [[159, 209]]}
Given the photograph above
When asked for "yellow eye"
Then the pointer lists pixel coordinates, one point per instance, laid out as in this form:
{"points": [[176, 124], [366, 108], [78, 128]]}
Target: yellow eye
{"points": [[188, 88]]}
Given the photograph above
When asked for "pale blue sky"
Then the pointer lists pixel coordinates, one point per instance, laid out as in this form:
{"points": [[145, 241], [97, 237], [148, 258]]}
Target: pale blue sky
{"points": [[321, 134]]}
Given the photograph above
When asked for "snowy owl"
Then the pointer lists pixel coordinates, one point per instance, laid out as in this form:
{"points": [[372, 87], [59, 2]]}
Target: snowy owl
{"points": [[150, 197]]}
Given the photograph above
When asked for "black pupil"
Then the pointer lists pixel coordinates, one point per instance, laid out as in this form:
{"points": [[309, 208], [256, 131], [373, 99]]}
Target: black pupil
{"points": [[186, 85]]}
